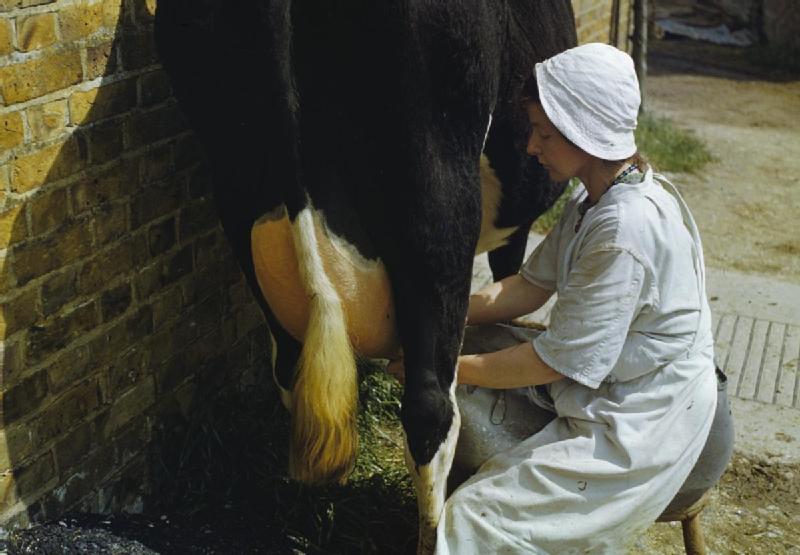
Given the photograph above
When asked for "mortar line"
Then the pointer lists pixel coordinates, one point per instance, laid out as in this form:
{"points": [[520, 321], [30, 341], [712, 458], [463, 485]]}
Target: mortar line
{"points": [[763, 359], [796, 380], [744, 360], [780, 365], [733, 336]]}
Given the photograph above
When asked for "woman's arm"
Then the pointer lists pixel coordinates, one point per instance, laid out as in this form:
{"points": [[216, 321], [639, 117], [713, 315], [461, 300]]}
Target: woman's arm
{"points": [[506, 299], [517, 366]]}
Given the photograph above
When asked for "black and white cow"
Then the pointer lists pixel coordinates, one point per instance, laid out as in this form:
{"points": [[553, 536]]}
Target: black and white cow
{"points": [[362, 152]]}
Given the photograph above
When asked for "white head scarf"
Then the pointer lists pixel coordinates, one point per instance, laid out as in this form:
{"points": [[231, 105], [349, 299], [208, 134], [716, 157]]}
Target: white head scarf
{"points": [[591, 94]]}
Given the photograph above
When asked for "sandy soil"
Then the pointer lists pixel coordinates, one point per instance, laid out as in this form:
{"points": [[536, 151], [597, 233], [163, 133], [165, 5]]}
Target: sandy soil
{"points": [[745, 201], [755, 509]]}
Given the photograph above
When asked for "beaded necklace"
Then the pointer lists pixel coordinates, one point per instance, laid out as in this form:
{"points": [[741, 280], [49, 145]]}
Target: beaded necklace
{"points": [[584, 206]]}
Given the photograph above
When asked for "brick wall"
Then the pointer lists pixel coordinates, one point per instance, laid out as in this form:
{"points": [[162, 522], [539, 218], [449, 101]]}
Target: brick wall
{"points": [[121, 304], [593, 20]]}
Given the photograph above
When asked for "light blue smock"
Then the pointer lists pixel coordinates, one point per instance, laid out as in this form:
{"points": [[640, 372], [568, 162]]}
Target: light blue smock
{"points": [[631, 331]]}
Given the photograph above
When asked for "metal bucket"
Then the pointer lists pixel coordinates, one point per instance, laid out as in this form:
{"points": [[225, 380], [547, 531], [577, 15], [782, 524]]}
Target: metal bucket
{"points": [[715, 455]]}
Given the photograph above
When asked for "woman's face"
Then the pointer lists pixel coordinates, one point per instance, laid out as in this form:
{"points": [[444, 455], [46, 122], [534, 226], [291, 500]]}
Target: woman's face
{"points": [[559, 157]]}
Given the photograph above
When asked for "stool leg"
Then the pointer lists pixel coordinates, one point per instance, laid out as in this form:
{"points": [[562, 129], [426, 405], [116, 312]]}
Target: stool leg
{"points": [[693, 540]]}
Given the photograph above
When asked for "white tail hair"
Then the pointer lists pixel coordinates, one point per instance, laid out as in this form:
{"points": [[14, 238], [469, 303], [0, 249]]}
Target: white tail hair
{"points": [[324, 396]]}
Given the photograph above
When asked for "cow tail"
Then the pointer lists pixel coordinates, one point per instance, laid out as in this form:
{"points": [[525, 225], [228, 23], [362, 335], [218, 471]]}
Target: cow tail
{"points": [[324, 396]]}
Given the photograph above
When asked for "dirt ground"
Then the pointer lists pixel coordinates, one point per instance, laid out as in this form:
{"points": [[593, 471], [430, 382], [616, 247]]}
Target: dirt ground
{"points": [[755, 509], [745, 201]]}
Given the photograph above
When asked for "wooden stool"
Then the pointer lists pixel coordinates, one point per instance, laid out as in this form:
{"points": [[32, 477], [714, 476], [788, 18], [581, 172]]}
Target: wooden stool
{"points": [[693, 541]]}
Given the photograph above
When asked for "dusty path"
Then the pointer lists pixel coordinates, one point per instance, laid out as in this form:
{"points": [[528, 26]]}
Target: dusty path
{"points": [[745, 205], [745, 202]]}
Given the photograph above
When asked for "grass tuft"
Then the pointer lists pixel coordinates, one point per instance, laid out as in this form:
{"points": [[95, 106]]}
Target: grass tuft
{"points": [[669, 148]]}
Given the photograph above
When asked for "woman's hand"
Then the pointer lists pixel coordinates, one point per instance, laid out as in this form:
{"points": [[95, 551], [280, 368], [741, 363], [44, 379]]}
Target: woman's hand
{"points": [[517, 366]]}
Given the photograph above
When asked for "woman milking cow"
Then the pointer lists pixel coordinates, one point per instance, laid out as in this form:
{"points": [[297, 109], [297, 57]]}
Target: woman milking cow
{"points": [[580, 436]]}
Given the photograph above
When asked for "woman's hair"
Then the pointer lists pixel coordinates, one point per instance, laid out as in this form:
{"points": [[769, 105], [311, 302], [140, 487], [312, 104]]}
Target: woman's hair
{"points": [[638, 159], [530, 90], [530, 93]]}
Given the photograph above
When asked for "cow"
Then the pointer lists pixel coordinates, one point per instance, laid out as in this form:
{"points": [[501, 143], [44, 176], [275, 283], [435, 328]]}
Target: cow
{"points": [[361, 154]]}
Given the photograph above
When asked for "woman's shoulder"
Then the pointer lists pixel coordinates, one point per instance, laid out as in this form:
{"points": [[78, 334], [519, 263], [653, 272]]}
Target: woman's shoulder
{"points": [[628, 214]]}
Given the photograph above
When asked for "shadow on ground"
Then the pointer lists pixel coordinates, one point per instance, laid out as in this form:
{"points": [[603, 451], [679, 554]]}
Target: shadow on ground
{"points": [[226, 491]]}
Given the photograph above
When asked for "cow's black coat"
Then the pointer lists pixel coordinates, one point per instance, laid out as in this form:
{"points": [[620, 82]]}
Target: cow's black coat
{"points": [[376, 111]]}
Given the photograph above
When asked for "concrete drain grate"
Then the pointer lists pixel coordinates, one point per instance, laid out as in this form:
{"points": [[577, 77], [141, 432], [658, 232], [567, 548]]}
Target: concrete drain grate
{"points": [[760, 358]]}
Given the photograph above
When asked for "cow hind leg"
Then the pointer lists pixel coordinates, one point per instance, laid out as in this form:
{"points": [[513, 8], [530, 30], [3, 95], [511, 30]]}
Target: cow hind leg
{"points": [[430, 272], [284, 353], [430, 479]]}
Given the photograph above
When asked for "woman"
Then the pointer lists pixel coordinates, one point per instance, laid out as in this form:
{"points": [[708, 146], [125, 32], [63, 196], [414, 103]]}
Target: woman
{"points": [[626, 365]]}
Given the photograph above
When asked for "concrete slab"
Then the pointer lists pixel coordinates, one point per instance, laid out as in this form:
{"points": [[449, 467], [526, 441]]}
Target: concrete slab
{"points": [[758, 297], [766, 431]]}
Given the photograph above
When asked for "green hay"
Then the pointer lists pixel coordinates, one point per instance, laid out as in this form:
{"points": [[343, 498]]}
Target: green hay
{"points": [[549, 219], [236, 454]]}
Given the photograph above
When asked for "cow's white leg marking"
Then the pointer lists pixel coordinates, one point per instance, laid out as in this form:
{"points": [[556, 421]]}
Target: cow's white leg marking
{"points": [[286, 395], [324, 396], [430, 481], [486, 135]]}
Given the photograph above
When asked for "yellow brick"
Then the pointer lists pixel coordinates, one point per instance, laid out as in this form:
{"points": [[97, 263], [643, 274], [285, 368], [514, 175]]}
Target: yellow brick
{"points": [[30, 171], [36, 31], [112, 9], [5, 183], [5, 287], [11, 131], [48, 211], [48, 164], [34, 78], [8, 5], [48, 121], [16, 443], [12, 226], [6, 45], [95, 104], [101, 59], [8, 490], [81, 20]]}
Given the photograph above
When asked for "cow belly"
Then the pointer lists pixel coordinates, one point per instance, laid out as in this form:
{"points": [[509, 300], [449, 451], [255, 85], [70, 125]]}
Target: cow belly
{"points": [[362, 285]]}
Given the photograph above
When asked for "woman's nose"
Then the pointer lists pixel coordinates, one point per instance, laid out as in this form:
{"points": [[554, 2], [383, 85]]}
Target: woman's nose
{"points": [[533, 145]]}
